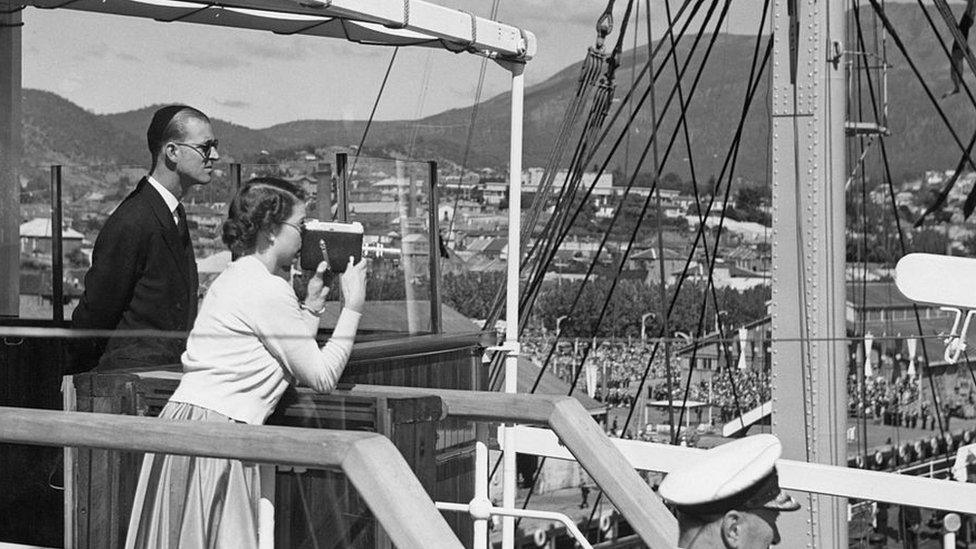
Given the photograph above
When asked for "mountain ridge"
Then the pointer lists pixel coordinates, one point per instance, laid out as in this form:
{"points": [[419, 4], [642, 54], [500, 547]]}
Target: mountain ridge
{"points": [[919, 142]]}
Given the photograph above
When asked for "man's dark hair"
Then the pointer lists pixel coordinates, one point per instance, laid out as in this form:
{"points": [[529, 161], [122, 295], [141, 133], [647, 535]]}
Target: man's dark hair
{"points": [[168, 123]]}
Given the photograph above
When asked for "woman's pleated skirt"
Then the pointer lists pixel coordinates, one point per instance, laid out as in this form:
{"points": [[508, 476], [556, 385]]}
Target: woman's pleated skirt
{"points": [[192, 502]]}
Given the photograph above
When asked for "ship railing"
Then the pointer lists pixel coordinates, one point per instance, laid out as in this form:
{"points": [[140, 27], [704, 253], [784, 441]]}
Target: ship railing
{"points": [[371, 462], [831, 480], [571, 434], [577, 433]]}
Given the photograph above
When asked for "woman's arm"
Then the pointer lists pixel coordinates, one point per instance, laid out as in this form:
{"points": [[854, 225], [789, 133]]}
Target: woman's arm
{"points": [[287, 330]]}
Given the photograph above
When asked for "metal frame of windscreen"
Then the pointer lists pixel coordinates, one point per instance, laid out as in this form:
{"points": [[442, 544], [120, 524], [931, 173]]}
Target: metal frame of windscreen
{"points": [[433, 233]]}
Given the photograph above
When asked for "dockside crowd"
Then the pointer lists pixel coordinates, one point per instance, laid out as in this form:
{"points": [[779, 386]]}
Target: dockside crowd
{"points": [[620, 364]]}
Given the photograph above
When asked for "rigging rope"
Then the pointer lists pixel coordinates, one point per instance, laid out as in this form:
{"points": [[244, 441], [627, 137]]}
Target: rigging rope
{"points": [[966, 149], [471, 126], [752, 87], [623, 260], [647, 201], [861, 369], [561, 235], [710, 282], [901, 236], [550, 173], [372, 113], [535, 283]]}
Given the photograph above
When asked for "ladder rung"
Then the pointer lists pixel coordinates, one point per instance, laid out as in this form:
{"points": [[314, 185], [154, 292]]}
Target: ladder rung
{"points": [[865, 128]]}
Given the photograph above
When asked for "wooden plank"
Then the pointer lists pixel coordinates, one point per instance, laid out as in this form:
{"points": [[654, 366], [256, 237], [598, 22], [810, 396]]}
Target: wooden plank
{"points": [[375, 468], [101, 486]]}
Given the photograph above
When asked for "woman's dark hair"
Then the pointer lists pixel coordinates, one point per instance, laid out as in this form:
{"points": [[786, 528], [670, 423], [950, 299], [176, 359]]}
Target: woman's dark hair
{"points": [[262, 203]]}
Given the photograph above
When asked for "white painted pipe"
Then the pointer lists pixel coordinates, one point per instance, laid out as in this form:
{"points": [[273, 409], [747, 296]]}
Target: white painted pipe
{"points": [[266, 507], [512, 293], [525, 513], [481, 493]]}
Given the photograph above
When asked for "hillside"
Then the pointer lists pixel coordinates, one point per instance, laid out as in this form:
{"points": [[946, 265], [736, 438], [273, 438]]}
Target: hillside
{"points": [[235, 140], [56, 129]]}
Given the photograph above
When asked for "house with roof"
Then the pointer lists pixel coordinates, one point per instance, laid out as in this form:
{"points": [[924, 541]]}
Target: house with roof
{"points": [[35, 238], [649, 261], [757, 259], [727, 275]]}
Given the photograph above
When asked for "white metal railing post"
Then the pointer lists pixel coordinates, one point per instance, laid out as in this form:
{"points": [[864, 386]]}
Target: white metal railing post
{"points": [[951, 522], [480, 494], [512, 292], [571, 528], [266, 507]]}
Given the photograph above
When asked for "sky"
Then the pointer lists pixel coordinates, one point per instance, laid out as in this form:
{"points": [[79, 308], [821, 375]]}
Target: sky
{"points": [[108, 64]]}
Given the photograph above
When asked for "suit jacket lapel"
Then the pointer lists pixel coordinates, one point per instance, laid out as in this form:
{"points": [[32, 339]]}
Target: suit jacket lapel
{"points": [[171, 235]]}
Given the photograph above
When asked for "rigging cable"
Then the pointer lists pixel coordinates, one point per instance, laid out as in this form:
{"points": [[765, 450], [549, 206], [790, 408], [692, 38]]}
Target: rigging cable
{"points": [[938, 38], [861, 369], [471, 125], [966, 149], [702, 220], [662, 290], [623, 260], [627, 190], [589, 71], [901, 235], [538, 245], [535, 284], [633, 236], [372, 113], [752, 87], [559, 236]]}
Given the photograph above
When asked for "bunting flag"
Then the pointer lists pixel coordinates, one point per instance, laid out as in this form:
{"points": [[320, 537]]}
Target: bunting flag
{"points": [[868, 370], [912, 346], [743, 335], [590, 372]]}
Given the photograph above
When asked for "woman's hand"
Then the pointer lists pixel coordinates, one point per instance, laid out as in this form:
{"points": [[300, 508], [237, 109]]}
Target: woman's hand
{"points": [[354, 284], [317, 290]]}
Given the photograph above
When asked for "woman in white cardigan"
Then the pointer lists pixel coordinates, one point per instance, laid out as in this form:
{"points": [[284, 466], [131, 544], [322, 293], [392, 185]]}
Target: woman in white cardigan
{"points": [[251, 339]]}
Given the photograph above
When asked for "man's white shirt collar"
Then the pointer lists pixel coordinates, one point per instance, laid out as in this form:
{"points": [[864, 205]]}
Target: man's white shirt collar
{"points": [[171, 201]]}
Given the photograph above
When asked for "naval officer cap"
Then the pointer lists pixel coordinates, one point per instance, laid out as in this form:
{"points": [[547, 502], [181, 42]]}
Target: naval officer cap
{"points": [[738, 475]]}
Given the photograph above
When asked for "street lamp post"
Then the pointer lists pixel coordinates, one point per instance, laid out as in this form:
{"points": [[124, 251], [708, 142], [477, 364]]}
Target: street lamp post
{"points": [[558, 322], [643, 325]]}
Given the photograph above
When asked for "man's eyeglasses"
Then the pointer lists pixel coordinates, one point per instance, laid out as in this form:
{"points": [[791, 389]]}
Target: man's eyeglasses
{"points": [[204, 149]]}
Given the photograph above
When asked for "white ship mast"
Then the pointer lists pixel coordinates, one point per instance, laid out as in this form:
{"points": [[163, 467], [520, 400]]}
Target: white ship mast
{"points": [[808, 173]]}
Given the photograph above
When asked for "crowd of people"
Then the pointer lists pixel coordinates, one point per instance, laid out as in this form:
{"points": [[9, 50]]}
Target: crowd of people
{"points": [[620, 364], [897, 402]]}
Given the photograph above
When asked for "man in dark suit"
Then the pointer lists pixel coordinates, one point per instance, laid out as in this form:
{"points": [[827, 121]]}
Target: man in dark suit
{"points": [[143, 274]]}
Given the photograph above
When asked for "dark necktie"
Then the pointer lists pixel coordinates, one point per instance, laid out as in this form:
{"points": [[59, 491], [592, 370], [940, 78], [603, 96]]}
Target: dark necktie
{"points": [[181, 227]]}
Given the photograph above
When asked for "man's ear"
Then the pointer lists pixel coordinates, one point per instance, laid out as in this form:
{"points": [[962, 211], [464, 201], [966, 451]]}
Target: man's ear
{"points": [[169, 152], [732, 529]]}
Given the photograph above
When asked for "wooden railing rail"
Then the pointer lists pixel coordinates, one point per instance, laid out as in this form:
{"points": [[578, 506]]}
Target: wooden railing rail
{"points": [[576, 429], [370, 461]]}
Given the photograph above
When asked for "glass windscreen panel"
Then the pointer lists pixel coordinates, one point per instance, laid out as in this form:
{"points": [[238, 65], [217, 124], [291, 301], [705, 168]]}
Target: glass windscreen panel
{"points": [[36, 245], [392, 200], [389, 197]]}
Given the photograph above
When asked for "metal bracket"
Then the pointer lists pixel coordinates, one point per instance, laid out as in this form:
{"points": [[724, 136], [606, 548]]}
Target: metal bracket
{"points": [[510, 348], [956, 341], [838, 53]]}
